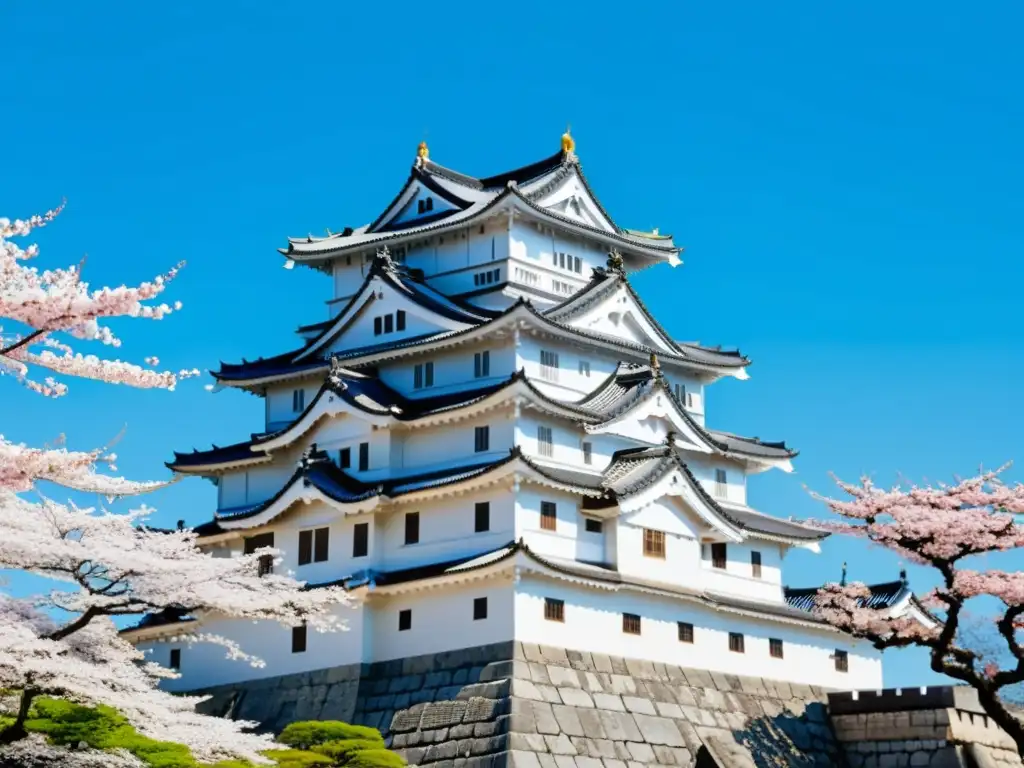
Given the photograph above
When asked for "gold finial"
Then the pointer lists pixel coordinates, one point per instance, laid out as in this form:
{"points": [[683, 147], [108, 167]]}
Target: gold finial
{"points": [[422, 152], [655, 364], [568, 144]]}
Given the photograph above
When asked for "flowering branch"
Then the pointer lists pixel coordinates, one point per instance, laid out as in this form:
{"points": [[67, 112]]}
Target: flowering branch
{"points": [[940, 527]]}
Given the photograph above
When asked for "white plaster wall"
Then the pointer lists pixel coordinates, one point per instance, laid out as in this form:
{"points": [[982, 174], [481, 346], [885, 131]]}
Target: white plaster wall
{"points": [[441, 620], [253, 485], [532, 245], [681, 564], [411, 211], [593, 622], [348, 272], [418, 322], [453, 444], [571, 384], [447, 530], [737, 577], [453, 370], [204, 664], [279, 400], [449, 260], [567, 441], [703, 468], [564, 542]]}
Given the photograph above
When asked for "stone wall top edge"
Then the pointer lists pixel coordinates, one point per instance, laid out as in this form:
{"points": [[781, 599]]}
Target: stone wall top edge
{"points": [[904, 699]]}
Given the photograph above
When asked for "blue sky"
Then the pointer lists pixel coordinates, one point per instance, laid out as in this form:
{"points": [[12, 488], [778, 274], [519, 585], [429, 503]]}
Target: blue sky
{"points": [[846, 181]]}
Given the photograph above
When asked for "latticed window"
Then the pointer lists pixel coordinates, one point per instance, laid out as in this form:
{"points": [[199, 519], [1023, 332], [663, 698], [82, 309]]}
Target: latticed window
{"points": [[736, 642], [482, 439], [588, 453], [554, 610], [548, 516], [685, 632], [842, 661], [654, 543], [755, 564], [631, 624], [721, 484], [298, 400], [718, 556], [549, 365], [545, 442], [481, 365], [775, 648]]}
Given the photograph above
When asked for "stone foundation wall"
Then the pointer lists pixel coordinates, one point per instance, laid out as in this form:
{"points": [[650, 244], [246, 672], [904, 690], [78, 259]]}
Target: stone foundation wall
{"points": [[529, 706]]}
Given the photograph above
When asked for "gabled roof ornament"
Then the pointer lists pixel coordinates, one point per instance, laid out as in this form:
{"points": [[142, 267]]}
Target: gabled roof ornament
{"points": [[312, 456], [336, 374], [383, 259], [615, 263], [568, 144], [422, 154], [655, 366]]}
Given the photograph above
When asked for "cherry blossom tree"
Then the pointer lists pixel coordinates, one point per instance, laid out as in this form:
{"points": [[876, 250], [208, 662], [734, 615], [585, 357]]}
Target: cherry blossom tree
{"points": [[103, 564], [950, 528]]}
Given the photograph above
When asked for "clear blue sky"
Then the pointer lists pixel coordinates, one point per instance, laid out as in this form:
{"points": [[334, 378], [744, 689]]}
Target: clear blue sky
{"points": [[846, 181]]}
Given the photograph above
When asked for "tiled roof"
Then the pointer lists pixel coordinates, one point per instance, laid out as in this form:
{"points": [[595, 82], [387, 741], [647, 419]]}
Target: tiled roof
{"points": [[886, 595]]}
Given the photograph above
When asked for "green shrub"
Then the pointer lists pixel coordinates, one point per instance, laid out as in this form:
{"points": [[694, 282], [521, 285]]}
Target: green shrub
{"points": [[342, 751], [375, 758], [312, 732]]}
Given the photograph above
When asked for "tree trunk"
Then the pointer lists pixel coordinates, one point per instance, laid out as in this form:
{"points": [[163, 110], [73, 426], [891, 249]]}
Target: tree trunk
{"points": [[16, 730], [1004, 718]]}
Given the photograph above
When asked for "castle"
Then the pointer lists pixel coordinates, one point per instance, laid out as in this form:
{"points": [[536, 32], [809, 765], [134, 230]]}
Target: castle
{"points": [[492, 443]]}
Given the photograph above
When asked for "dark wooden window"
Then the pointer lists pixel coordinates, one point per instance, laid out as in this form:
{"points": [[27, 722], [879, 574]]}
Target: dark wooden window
{"points": [[298, 400], [364, 457], [428, 374], [481, 439], [718, 555], [430, 204], [721, 484], [299, 639], [417, 376], [588, 453], [405, 619], [755, 564], [842, 661], [412, 528], [481, 365], [548, 516], [175, 658], [479, 608], [736, 642], [389, 323], [400, 319], [360, 540], [554, 610], [482, 517], [252, 543], [305, 547], [590, 525], [775, 648], [345, 458], [685, 632], [545, 442], [654, 543], [420, 206], [631, 624], [378, 326], [321, 544]]}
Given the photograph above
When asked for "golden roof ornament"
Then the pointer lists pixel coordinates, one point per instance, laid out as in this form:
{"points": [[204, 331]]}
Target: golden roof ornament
{"points": [[568, 143], [655, 365], [422, 153]]}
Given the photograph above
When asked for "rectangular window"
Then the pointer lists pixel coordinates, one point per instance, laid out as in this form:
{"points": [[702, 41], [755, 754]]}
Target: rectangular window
{"points": [[590, 525], [588, 453], [378, 326], [299, 639], [585, 368], [680, 392], [389, 323], [736, 642], [577, 265], [305, 547], [479, 608], [405, 619], [400, 319], [755, 564], [685, 632], [412, 528], [545, 442], [549, 365], [721, 485], [654, 543], [554, 610], [417, 376], [482, 517], [361, 540], [775, 648], [345, 458], [298, 400], [481, 439], [428, 374], [718, 555], [266, 562], [364, 457], [631, 624], [321, 544], [476, 279], [548, 516], [482, 365], [561, 260], [175, 658], [497, 274], [842, 661]]}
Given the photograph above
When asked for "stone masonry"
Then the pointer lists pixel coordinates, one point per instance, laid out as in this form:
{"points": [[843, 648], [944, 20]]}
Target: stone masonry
{"points": [[528, 706]]}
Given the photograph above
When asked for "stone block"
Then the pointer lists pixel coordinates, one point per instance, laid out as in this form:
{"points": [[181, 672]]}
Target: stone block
{"points": [[658, 691], [526, 689], [587, 762], [568, 720], [609, 701], [602, 662], [685, 695], [698, 678], [620, 726], [575, 697], [440, 714], [532, 742], [547, 761], [666, 709], [480, 709], [559, 745], [549, 693], [565, 761], [553, 655], [640, 668], [612, 763], [659, 730], [522, 759], [590, 719], [592, 683], [544, 718], [539, 673], [641, 752], [637, 704], [563, 677], [622, 684], [599, 747]]}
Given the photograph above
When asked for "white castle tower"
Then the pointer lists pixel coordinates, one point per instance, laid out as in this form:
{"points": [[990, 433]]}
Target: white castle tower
{"points": [[492, 439]]}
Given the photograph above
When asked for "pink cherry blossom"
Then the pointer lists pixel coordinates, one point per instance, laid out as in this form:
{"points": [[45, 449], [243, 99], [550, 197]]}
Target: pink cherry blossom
{"points": [[941, 527]]}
